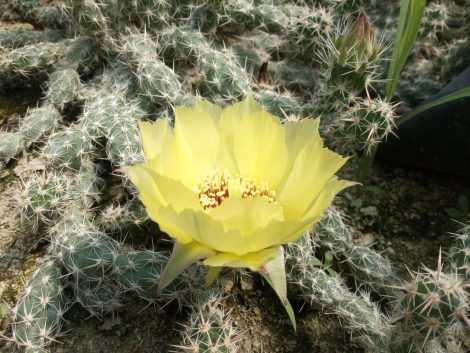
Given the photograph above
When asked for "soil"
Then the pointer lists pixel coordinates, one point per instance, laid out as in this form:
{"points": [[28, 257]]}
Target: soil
{"points": [[398, 210]]}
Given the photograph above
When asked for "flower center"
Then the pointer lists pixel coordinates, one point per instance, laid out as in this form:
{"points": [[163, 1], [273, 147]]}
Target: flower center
{"points": [[216, 186]]}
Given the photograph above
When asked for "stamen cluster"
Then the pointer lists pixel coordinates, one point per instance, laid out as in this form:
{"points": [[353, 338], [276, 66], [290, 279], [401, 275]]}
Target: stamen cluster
{"points": [[217, 186]]}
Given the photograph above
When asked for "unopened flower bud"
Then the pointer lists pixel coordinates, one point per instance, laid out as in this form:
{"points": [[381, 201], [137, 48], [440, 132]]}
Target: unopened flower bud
{"points": [[358, 42]]}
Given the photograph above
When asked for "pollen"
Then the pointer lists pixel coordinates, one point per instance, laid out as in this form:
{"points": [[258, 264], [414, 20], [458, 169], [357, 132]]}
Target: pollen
{"points": [[217, 186]]}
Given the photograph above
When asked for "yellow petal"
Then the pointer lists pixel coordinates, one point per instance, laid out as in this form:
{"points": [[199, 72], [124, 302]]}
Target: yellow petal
{"points": [[200, 227], [195, 147], [246, 214], [253, 260], [157, 192], [326, 196], [172, 223], [310, 172], [320, 204], [216, 234], [259, 225], [227, 124], [299, 133], [277, 233], [143, 180], [259, 148], [176, 194], [207, 107], [234, 112], [232, 232], [154, 136], [161, 190]]}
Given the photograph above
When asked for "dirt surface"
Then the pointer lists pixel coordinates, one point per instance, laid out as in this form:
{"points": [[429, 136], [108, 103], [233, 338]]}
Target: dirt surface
{"points": [[403, 212]]}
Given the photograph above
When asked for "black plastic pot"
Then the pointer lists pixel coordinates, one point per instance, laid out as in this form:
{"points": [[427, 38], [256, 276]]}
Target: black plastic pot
{"points": [[437, 139]]}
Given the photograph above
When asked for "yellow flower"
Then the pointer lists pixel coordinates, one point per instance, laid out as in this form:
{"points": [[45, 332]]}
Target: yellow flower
{"points": [[231, 186]]}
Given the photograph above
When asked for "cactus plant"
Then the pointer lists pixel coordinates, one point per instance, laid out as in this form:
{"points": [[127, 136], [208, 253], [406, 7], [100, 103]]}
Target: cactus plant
{"points": [[434, 20], [100, 113], [221, 76], [135, 59], [83, 54], [123, 146], [12, 144], [39, 313], [88, 15], [44, 196], [356, 312], [95, 296], [38, 122], [459, 253], [361, 126], [351, 58], [64, 86], [433, 305], [67, 148], [89, 254], [210, 328], [305, 33], [117, 218], [371, 268], [278, 104], [32, 59], [333, 234], [14, 39]]}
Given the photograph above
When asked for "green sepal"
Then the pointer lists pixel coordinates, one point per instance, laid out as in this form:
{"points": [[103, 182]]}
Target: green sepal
{"points": [[183, 256], [212, 274], [274, 272]]}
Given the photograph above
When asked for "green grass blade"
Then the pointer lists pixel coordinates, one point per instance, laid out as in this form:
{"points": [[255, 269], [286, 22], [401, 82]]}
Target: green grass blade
{"points": [[411, 12], [461, 93]]}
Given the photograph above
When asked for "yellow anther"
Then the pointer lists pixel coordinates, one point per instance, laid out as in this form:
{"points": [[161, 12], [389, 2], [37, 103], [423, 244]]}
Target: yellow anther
{"points": [[216, 187]]}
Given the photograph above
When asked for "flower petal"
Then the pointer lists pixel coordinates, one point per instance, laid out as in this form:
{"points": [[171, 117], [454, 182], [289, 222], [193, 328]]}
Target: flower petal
{"points": [[222, 235], [156, 192], [320, 204], [143, 180], [195, 147], [233, 113], [227, 125], [312, 169], [299, 133], [254, 261], [259, 148], [154, 136], [247, 214], [176, 194], [326, 196], [277, 232], [207, 107], [153, 187], [174, 224], [199, 226]]}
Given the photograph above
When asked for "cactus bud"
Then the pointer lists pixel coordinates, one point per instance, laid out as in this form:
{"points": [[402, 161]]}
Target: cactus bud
{"points": [[359, 41], [351, 59]]}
